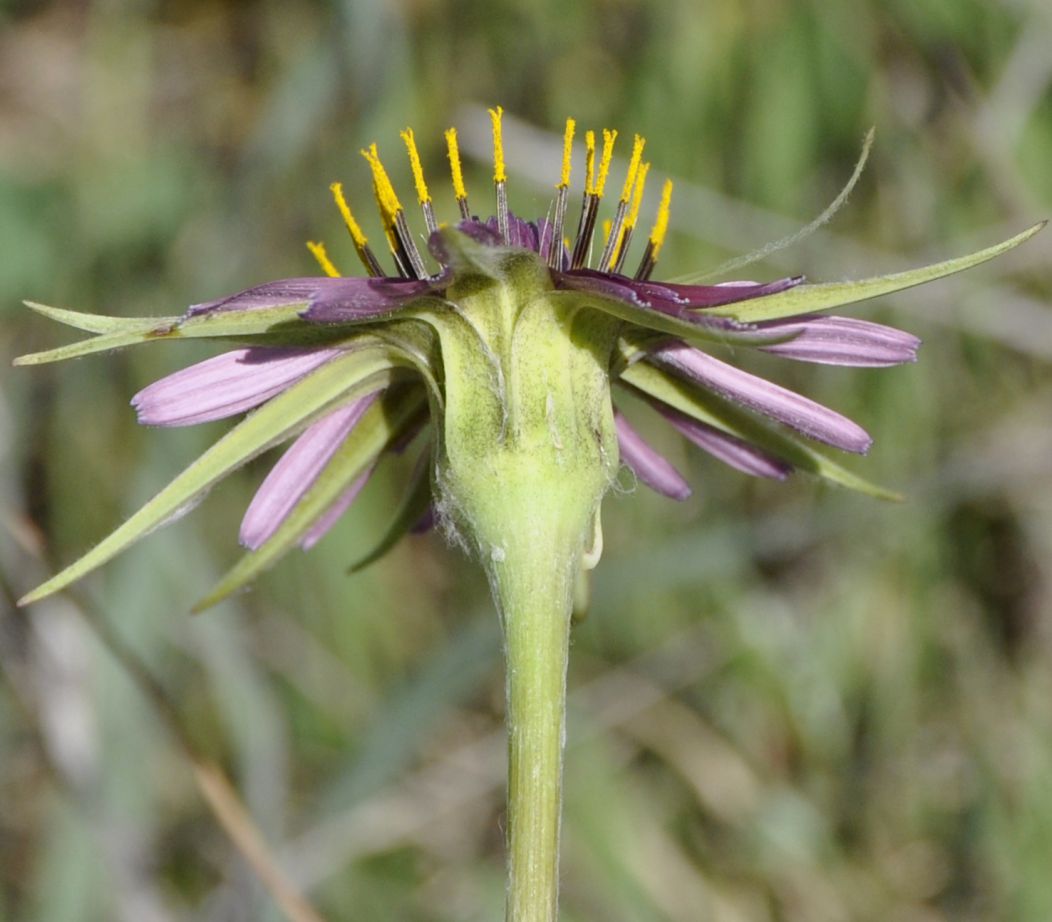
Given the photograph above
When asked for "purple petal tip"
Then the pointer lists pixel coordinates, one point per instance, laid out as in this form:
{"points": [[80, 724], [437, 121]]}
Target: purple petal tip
{"points": [[649, 465], [778, 403]]}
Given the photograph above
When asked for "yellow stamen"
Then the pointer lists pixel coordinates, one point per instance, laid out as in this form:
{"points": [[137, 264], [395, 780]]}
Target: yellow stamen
{"points": [[385, 193], [589, 163], [633, 167], [414, 163], [607, 224], [459, 189], [657, 235], [499, 174], [637, 195], [604, 164], [564, 179], [318, 251], [352, 226]]}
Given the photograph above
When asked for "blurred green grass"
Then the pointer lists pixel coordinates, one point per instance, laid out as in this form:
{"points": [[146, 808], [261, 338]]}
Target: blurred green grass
{"points": [[788, 703]]}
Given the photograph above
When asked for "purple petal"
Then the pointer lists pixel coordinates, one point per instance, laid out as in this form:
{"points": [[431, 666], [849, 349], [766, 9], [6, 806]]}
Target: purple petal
{"points": [[729, 449], [351, 300], [521, 233], [803, 415], [484, 232], [225, 385], [730, 292], [613, 289], [842, 341], [647, 464], [524, 234], [331, 515], [606, 285], [667, 297], [272, 294], [329, 300], [296, 471]]}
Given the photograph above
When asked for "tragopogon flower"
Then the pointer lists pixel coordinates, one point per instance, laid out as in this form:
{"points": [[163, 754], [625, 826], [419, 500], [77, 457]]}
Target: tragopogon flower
{"points": [[503, 340]]}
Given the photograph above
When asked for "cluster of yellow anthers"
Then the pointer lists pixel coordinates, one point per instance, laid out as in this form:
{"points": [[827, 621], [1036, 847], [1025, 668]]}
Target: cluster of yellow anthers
{"points": [[617, 232]]}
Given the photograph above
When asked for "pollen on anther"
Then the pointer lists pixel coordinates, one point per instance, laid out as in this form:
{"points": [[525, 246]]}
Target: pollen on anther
{"points": [[637, 196], [564, 178], [657, 235], [352, 226], [414, 164], [459, 190], [499, 173], [385, 193], [318, 252], [604, 163], [633, 167]]}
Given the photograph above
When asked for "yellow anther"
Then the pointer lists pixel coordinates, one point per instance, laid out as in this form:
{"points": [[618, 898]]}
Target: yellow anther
{"points": [[564, 179], [604, 164], [657, 235], [607, 224], [352, 226], [499, 174], [633, 167], [318, 251], [454, 164], [385, 193], [589, 162], [637, 195], [414, 163]]}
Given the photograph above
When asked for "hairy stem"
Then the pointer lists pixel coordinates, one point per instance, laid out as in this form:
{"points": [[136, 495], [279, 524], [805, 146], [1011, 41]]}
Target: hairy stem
{"points": [[534, 588]]}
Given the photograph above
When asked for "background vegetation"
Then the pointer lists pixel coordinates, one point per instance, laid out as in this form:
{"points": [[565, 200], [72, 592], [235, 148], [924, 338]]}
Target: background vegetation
{"points": [[788, 703]]}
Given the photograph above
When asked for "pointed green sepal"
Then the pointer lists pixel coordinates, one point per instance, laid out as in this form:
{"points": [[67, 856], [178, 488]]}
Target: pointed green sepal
{"points": [[805, 299], [99, 323], [263, 326]]}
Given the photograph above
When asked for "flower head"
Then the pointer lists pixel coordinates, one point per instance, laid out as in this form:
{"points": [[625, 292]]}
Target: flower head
{"points": [[504, 342]]}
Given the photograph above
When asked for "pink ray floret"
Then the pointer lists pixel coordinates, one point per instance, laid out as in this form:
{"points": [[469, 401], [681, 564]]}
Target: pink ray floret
{"points": [[649, 465], [842, 341], [297, 470], [225, 385], [798, 412]]}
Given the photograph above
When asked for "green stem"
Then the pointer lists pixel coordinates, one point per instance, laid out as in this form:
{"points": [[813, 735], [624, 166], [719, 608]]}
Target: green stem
{"points": [[533, 585]]}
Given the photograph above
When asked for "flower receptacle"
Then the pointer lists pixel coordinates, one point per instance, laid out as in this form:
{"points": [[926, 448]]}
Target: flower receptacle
{"points": [[527, 445]]}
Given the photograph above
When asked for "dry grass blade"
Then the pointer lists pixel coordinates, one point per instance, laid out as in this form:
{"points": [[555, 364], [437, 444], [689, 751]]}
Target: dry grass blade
{"points": [[246, 837], [219, 794]]}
